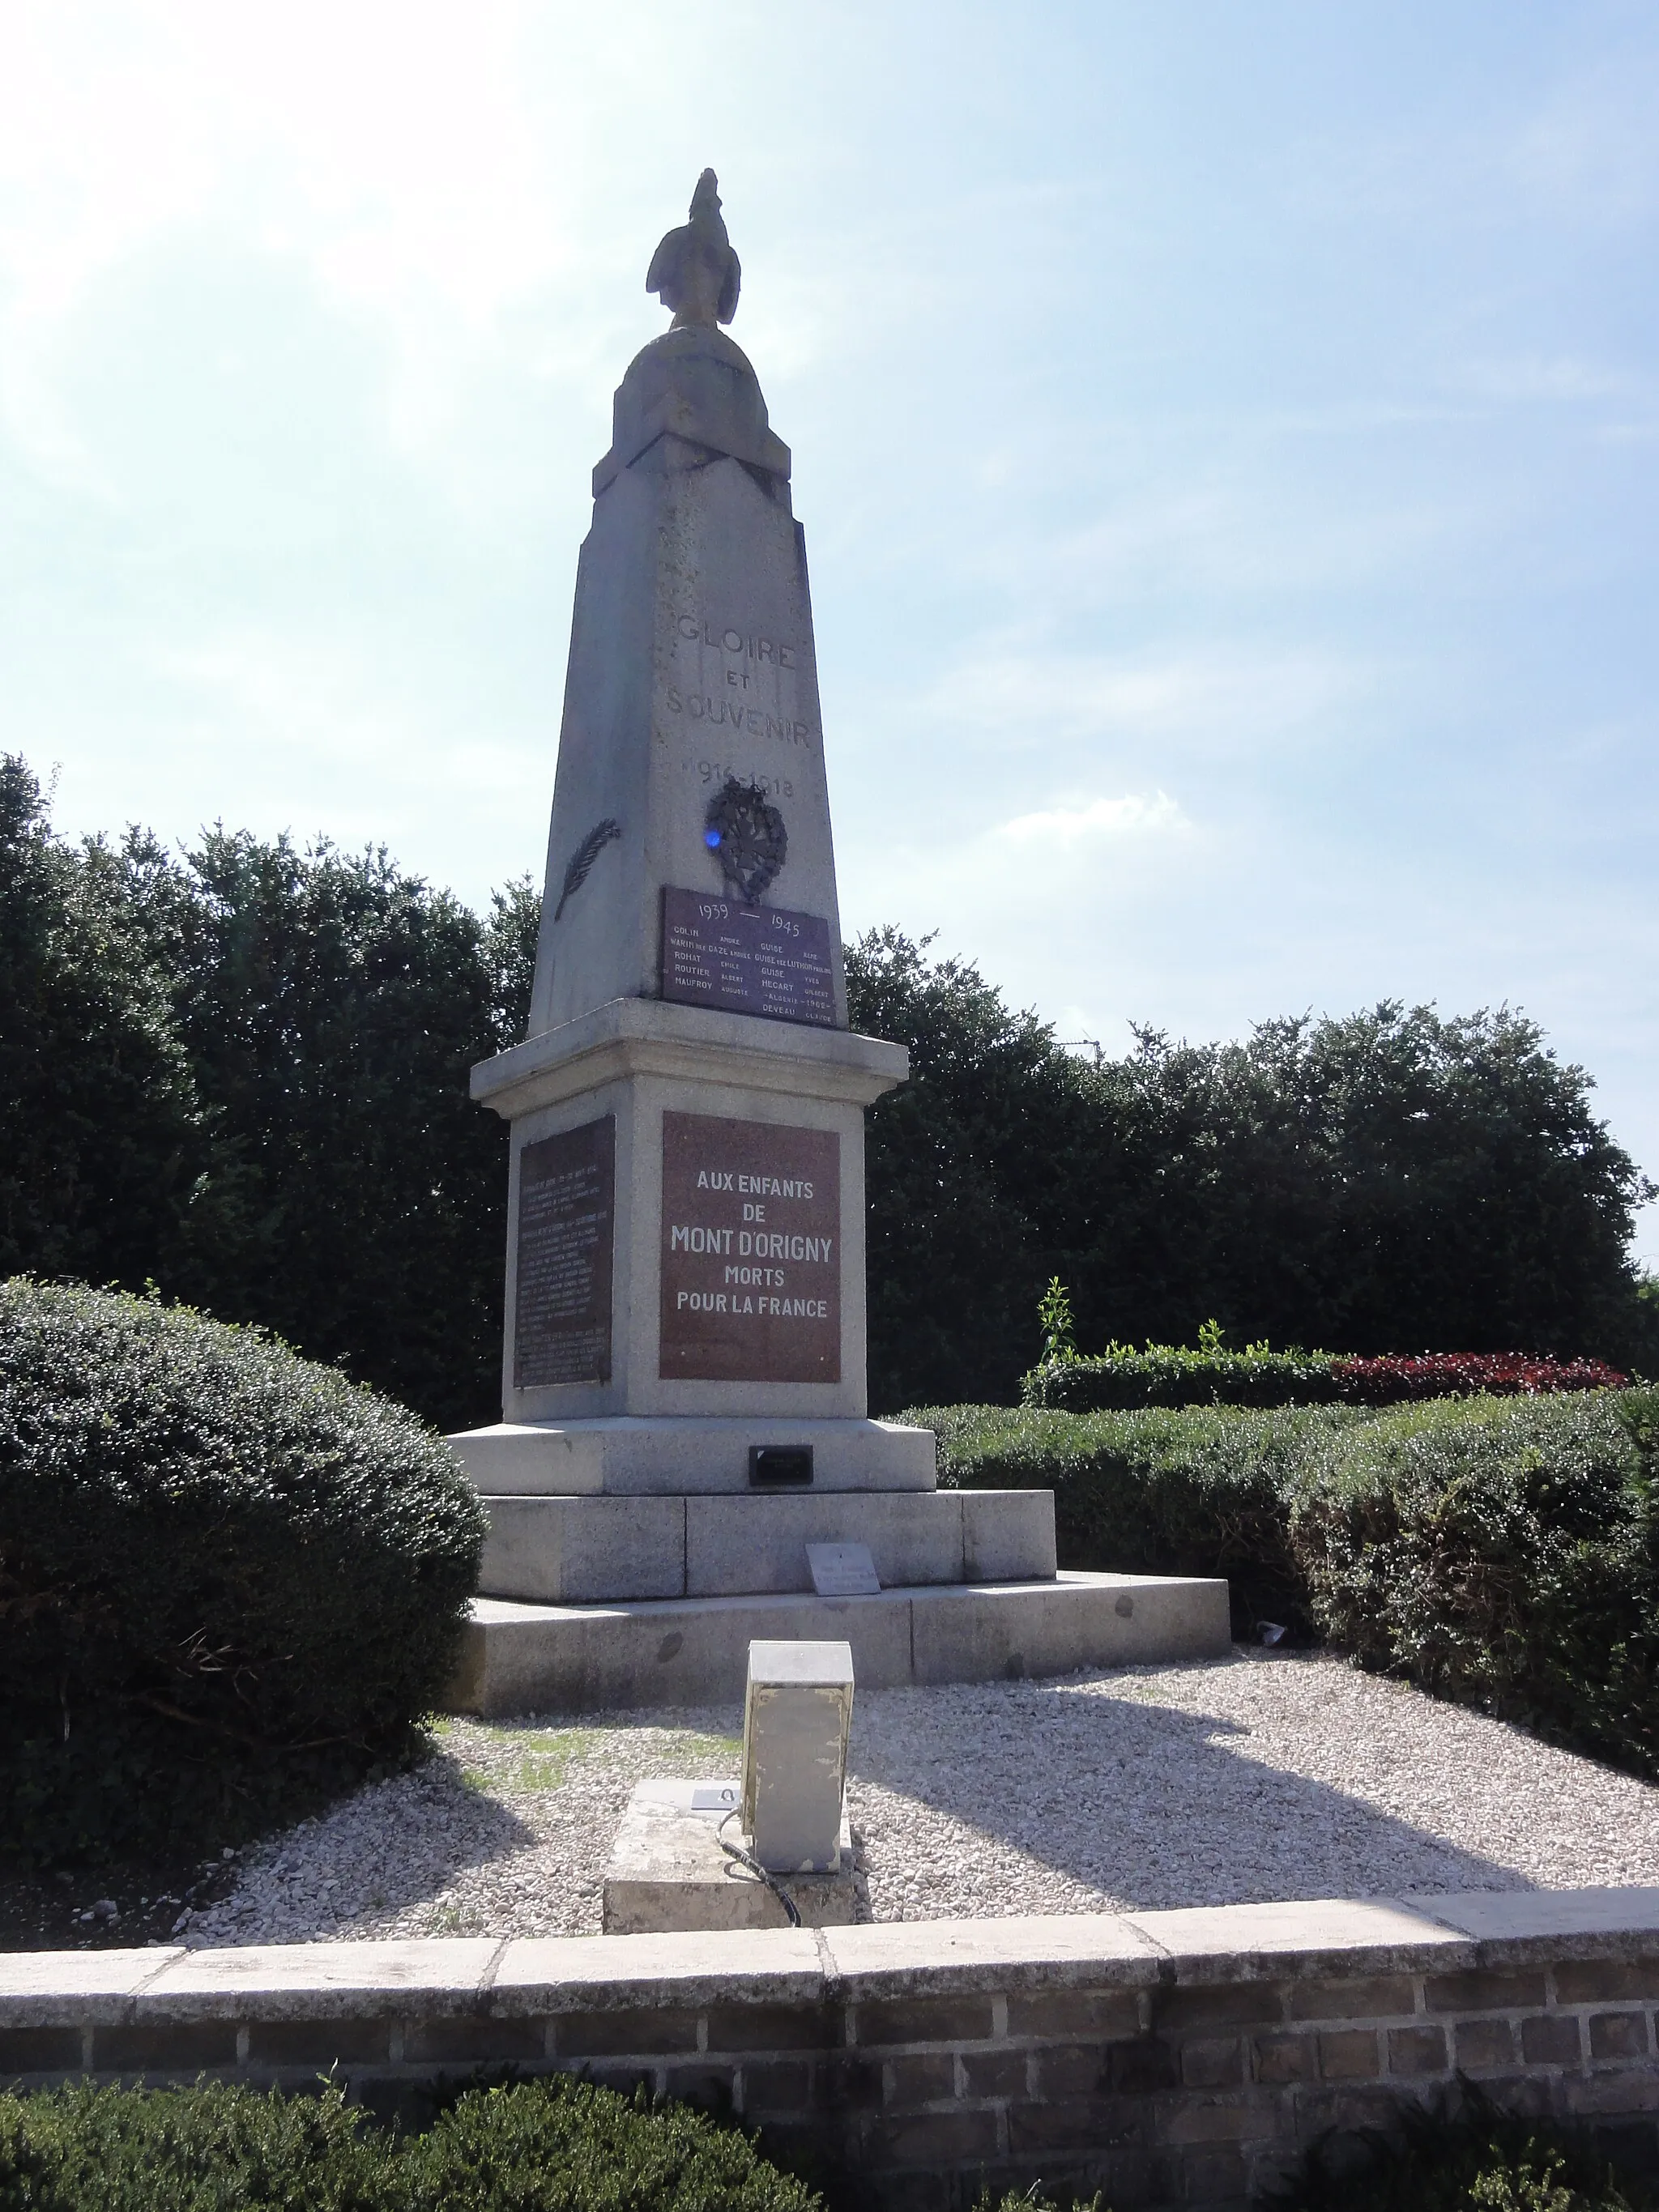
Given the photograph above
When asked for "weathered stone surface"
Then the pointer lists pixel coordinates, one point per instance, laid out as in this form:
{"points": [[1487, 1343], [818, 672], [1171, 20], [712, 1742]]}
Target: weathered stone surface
{"points": [[667, 1871], [522, 1657], [687, 1456], [1079, 2047]]}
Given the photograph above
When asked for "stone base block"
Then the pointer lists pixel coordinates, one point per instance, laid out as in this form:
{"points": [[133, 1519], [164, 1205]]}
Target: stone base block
{"points": [[668, 1872], [523, 1658], [581, 1551], [684, 1455]]}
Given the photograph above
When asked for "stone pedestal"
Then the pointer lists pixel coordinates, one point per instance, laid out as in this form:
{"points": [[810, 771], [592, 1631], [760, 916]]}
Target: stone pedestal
{"points": [[668, 1872]]}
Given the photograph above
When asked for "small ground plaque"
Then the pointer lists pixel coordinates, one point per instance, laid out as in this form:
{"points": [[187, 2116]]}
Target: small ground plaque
{"points": [[842, 1570], [750, 1252], [562, 1305], [747, 960]]}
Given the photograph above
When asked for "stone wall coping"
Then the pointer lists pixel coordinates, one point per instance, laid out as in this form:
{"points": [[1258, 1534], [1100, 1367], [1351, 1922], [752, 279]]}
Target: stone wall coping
{"points": [[1315, 1938], [600, 1973], [951, 1957], [418, 1975], [44, 1988], [1520, 1925]]}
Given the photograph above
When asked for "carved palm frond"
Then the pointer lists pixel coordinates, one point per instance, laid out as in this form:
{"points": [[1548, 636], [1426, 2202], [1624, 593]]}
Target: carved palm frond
{"points": [[583, 859]]}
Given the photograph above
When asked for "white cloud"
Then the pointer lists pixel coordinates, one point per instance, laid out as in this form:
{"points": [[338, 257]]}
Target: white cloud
{"points": [[1135, 815]]}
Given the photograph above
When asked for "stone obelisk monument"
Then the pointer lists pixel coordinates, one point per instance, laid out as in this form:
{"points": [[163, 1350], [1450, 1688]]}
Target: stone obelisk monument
{"points": [[683, 1371]]}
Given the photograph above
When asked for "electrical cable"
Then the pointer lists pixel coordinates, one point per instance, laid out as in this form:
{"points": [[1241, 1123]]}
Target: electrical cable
{"points": [[748, 1859]]}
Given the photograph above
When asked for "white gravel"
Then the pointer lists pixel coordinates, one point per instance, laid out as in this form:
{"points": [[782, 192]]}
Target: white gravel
{"points": [[1259, 1777]]}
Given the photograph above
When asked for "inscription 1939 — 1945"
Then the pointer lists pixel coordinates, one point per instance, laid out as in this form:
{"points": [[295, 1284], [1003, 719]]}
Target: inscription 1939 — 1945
{"points": [[750, 1252], [561, 1303], [749, 960]]}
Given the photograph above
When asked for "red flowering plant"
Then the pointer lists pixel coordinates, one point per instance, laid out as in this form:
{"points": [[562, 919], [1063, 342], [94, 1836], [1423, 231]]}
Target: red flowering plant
{"points": [[1393, 1380]]}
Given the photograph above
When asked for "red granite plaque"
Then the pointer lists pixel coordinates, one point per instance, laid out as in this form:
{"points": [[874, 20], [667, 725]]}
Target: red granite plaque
{"points": [[750, 1252], [567, 1211], [747, 959]]}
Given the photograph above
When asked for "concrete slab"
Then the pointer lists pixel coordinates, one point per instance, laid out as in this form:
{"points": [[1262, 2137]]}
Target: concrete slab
{"points": [[523, 1658], [581, 1551], [594, 1551], [623, 1973], [904, 1959], [1007, 1535], [45, 1989], [685, 1454], [743, 1547], [319, 1981], [977, 1633], [1513, 1925], [668, 1872], [1247, 1942]]}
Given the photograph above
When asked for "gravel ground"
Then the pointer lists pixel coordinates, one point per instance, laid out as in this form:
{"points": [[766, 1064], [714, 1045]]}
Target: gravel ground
{"points": [[1259, 1777]]}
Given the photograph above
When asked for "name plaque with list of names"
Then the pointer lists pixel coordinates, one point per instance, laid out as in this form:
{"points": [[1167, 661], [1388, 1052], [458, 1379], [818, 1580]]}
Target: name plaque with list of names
{"points": [[561, 1303], [747, 959]]}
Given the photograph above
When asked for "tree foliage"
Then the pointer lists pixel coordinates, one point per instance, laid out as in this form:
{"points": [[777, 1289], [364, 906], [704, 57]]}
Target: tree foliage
{"points": [[1393, 1182], [242, 1072]]}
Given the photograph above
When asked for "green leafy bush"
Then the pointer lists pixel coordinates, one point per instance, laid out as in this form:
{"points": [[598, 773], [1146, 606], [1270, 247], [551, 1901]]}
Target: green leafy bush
{"points": [[1202, 1491], [229, 1579], [1501, 1552], [564, 2146], [548, 2146], [1123, 1380], [216, 2148]]}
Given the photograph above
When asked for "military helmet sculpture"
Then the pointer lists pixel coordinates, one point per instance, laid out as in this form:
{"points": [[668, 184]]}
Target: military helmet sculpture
{"points": [[694, 272]]}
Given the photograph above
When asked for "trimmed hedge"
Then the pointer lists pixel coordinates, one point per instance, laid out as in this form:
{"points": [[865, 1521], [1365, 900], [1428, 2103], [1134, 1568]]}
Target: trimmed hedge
{"points": [[1504, 1553], [230, 1581], [1203, 1489], [546, 2146], [1122, 1380], [1171, 1374]]}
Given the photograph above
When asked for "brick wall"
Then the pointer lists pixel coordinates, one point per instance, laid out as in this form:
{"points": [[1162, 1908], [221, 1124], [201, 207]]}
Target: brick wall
{"points": [[1166, 2058]]}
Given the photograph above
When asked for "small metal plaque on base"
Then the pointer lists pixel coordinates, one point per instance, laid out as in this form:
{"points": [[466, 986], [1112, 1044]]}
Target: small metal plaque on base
{"points": [[747, 959], [842, 1570], [780, 1466]]}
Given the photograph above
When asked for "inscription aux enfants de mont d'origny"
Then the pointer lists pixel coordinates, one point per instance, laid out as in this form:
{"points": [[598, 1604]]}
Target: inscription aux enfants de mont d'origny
{"points": [[750, 1265]]}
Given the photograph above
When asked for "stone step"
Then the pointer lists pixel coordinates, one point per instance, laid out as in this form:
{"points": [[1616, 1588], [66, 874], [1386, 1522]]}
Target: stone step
{"points": [[684, 1454], [692, 1651], [581, 1551]]}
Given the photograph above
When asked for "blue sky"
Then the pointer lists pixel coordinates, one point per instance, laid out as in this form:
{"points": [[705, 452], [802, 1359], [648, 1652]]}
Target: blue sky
{"points": [[1227, 436]]}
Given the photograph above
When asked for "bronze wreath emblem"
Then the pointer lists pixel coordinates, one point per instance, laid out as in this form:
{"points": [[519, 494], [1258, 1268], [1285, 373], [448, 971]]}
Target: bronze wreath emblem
{"points": [[746, 836]]}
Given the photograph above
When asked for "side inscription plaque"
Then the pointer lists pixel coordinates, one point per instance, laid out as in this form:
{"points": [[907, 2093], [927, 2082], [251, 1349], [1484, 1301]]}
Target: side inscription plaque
{"points": [[747, 959], [567, 1213], [750, 1252]]}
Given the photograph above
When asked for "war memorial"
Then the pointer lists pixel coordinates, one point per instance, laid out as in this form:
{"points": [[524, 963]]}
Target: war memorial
{"points": [[683, 1397], [689, 1505]]}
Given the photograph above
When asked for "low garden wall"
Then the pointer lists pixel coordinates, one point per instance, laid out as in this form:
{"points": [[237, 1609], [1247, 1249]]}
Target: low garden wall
{"points": [[1167, 2057]]}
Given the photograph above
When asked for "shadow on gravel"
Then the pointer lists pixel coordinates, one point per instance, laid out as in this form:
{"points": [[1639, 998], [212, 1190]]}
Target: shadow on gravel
{"points": [[1147, 1803], [395, 1845]]}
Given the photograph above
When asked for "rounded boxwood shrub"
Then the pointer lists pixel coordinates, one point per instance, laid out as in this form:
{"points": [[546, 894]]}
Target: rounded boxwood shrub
{"points": [[231, 1581], [547, 2146]]}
